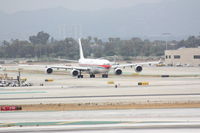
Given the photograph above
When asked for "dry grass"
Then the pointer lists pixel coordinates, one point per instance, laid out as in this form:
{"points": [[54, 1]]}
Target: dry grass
{"points": [[87, 106]]}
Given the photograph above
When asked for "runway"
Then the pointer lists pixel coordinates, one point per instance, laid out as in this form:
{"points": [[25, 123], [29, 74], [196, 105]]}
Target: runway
{"points": [[106, 120], [174, 128], [66, 89], [160, 90], [183, 88], [104, 96]]}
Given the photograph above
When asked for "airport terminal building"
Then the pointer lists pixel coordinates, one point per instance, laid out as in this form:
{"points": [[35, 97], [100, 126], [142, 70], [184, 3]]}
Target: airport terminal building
{"points": [[183, 57]]}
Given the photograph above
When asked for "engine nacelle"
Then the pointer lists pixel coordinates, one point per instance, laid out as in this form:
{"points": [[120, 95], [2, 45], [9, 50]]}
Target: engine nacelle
{"points": [[74, 73], [118, 71], [49, 70], [138, 69]]}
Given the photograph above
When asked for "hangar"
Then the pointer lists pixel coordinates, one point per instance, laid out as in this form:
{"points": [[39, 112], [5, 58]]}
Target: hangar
{"points": [[183, 57]]}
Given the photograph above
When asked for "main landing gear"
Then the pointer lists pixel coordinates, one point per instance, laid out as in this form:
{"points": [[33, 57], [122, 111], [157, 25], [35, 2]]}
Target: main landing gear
{"points": [[92, 76], [104, 75], [80, 76]]}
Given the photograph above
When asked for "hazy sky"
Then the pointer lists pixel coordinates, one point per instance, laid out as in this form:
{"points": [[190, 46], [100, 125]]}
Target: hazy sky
{"points": [[11, 6]]}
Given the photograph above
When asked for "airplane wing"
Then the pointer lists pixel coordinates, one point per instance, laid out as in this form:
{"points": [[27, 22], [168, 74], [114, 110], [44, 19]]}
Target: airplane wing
{"points": [[135, 64], [60, 59], [75, 70], [70, 68]]}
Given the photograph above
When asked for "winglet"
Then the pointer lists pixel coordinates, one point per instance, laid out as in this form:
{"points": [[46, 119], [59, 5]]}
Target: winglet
{"points": [[80, 49]]}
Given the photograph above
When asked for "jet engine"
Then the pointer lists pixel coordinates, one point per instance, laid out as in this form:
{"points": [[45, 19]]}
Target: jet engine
{"points": [[74, 73], [49, 70], [138, 69], [118, 71]]}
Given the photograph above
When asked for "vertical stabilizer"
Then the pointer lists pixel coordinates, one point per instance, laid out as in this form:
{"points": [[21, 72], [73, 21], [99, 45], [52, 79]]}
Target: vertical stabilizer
{"points": [[80, 49]]}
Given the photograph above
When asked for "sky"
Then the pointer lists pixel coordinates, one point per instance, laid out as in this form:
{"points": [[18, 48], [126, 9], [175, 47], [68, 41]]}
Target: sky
{"points": [[141, 18], [12, 6]]}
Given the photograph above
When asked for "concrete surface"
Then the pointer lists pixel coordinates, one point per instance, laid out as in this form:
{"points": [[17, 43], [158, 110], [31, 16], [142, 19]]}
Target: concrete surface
{"points": [[68, 89], [184, 87], [106, 120]]}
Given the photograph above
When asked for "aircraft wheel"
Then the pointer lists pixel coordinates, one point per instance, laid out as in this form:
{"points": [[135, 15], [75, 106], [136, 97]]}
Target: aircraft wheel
{"points": [[80, 76], [104, 75], [92, 76]]}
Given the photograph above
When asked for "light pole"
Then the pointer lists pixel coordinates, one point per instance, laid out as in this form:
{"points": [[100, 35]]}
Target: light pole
{"points": [[166, 34]]}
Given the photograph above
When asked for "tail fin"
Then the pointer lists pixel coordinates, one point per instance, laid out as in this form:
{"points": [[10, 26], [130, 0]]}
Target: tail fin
{"points": [[80, 49]]}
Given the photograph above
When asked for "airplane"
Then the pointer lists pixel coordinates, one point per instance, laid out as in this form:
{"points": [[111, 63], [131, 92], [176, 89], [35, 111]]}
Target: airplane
{"points": [[96, 66]]}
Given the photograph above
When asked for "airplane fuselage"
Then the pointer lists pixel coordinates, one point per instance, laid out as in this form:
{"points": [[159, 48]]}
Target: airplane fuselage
{"points": [[96, 65]]}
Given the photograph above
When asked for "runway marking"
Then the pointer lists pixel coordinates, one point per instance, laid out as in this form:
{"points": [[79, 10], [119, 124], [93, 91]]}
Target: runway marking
{"points": [[4, 124], [61, 123], [23, 92], [68, 122], [22, 124], [104, 96]]}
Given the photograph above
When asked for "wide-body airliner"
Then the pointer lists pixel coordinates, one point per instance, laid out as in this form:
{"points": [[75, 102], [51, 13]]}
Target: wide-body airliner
{"points": [[96, 66]]}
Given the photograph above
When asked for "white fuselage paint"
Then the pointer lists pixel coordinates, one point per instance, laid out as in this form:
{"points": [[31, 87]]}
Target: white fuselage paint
{"points": [[96, 65]]}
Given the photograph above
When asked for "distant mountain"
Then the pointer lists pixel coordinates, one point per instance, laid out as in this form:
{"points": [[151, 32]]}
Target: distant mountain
{"points": [[180, 18]]}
